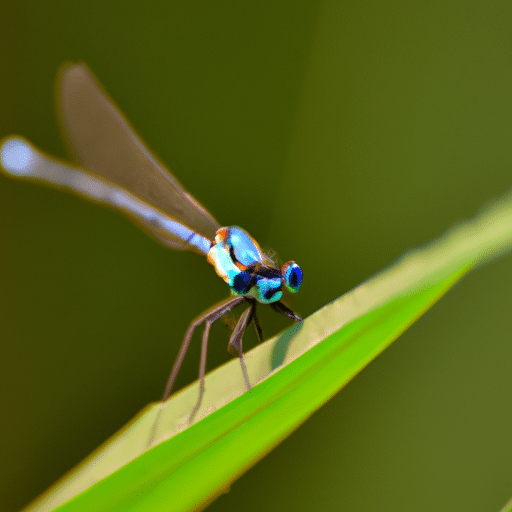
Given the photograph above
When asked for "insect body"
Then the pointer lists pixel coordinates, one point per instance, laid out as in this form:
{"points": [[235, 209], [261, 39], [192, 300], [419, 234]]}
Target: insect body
{"points": [[238, 259], [118, 170]]}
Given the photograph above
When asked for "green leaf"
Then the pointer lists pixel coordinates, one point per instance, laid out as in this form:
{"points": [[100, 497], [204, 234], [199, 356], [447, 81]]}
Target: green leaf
{"points": [[161, 462], [507, 507]]}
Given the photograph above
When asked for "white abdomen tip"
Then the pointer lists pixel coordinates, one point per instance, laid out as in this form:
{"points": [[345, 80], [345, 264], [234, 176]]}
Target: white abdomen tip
{"points": [[17, 156]]}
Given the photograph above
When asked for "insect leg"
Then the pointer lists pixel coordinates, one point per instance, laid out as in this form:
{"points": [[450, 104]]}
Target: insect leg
{"points": [[214, 313], [235, 342], [279, 307], [208, 322], [257, 325], [208, 317]]}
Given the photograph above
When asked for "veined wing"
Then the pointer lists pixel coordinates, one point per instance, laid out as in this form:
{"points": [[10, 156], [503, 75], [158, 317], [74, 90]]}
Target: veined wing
{"points": [[20, 159], [105, 144]]}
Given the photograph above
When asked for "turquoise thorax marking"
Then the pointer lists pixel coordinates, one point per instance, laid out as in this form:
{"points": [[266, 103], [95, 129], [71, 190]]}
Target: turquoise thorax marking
{"points": [[238, 260]]}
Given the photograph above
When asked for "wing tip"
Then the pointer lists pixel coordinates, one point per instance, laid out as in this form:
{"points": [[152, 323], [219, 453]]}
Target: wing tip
{"points": [[71, 71]]}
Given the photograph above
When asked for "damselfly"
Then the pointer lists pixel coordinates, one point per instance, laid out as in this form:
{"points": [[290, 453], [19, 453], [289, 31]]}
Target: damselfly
{"points": [[117, 169]]}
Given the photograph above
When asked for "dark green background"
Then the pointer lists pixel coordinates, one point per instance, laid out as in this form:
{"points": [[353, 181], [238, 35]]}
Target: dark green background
{"points": [[340, 134]]}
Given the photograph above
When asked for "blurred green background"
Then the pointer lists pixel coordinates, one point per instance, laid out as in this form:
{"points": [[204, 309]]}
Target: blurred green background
{"points": [[340, 134]]}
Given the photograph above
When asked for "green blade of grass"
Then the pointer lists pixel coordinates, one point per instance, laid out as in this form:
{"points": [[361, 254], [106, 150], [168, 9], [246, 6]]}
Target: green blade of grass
{"points": [[507, 507], [187, 466]]}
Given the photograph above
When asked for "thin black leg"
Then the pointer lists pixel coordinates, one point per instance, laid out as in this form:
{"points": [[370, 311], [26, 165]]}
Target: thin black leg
{"points": [[257, 325], [202, 366], [208, 317], [279, 307], [235, 341], [204, 346]]}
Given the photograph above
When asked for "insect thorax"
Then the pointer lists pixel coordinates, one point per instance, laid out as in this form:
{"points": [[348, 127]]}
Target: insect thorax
{"points": [[238, 260]]}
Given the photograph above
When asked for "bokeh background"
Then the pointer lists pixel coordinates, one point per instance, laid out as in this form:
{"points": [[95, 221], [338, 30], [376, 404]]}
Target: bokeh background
{"points": [[340, 134]]}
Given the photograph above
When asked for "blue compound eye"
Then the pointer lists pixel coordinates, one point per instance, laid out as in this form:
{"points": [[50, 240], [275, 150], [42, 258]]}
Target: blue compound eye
{"points": [[242, 282], [292, 275]]}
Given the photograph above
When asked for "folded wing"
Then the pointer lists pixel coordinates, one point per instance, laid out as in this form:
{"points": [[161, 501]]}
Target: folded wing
{"points": [[103, 141]]}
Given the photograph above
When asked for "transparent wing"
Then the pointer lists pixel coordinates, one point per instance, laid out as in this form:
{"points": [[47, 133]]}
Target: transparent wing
{"points": [[103, 141], [21, 159]]}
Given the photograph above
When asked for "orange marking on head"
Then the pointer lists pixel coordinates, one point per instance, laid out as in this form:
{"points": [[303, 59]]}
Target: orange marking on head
{"points": [[222, 233]]}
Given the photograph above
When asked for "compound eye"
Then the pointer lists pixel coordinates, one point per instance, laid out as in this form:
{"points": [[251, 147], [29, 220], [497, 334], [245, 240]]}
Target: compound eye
{"points": [[243, 282], [292, 275]]}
